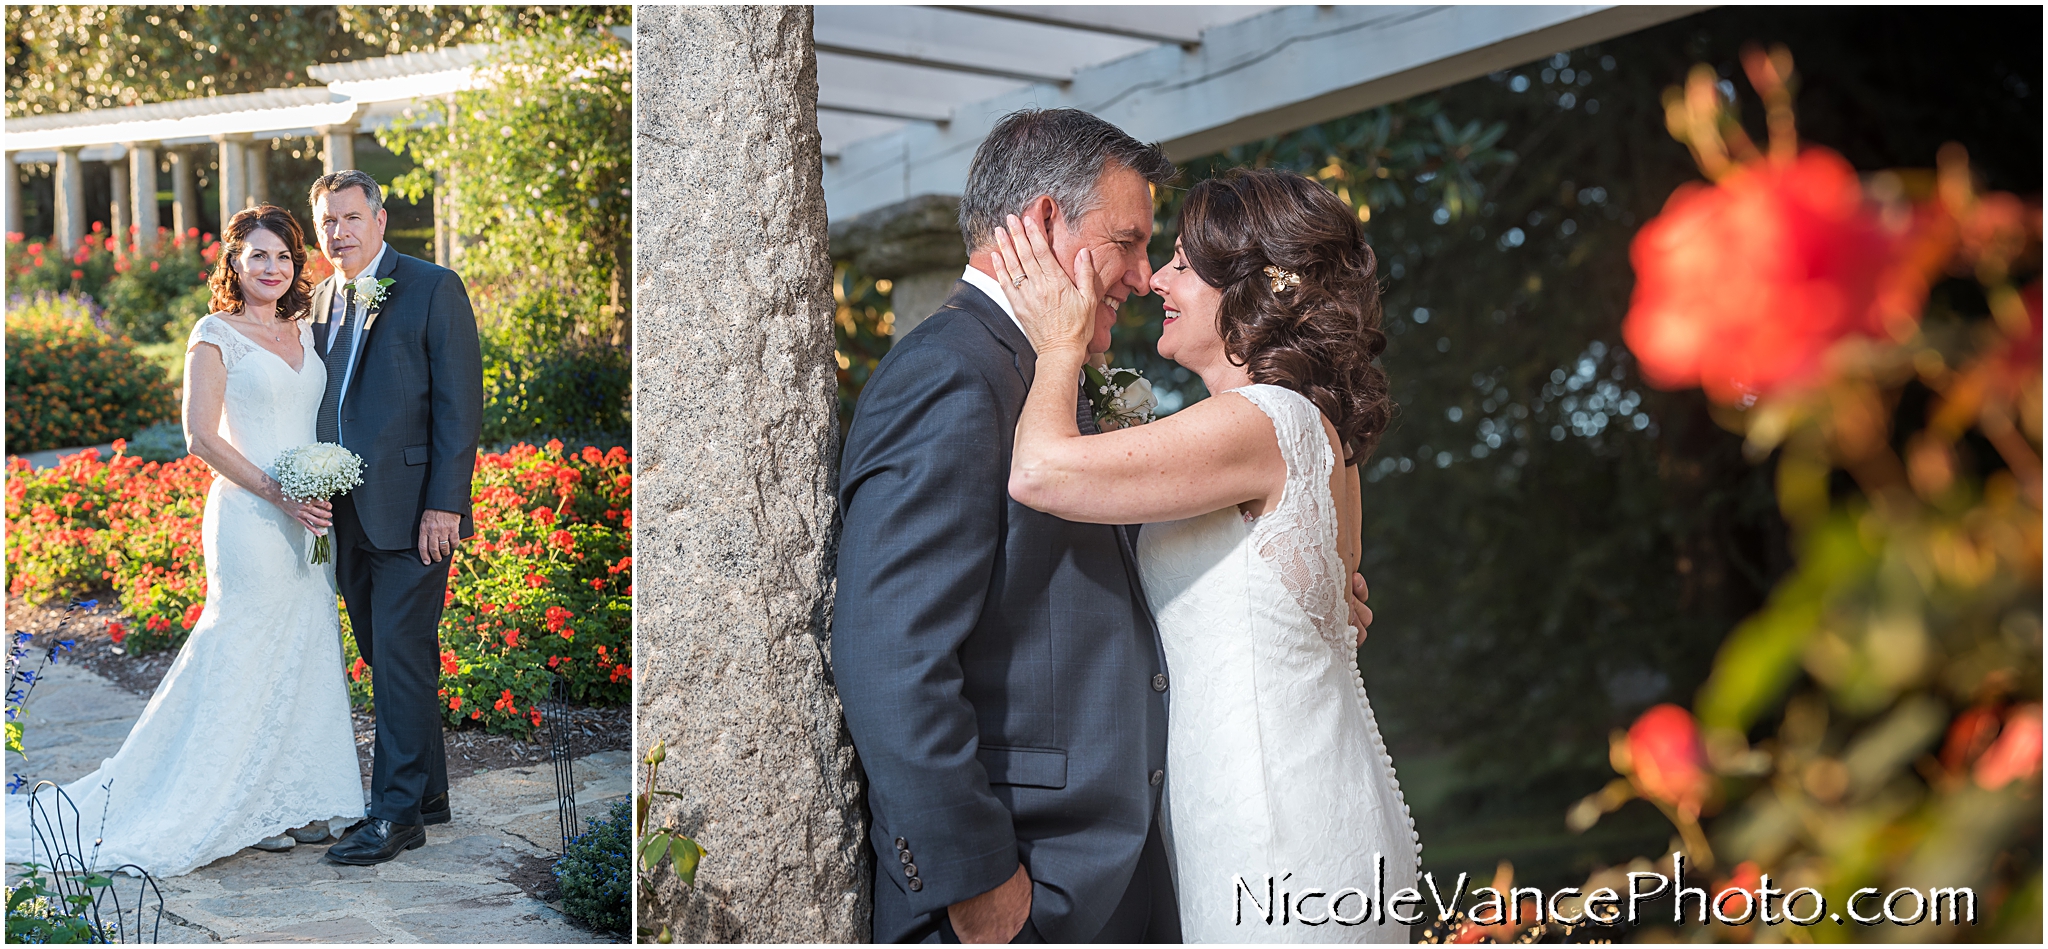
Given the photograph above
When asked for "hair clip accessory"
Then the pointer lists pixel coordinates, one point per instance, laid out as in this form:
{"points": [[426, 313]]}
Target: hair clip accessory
{"points": [[1282, 279]]}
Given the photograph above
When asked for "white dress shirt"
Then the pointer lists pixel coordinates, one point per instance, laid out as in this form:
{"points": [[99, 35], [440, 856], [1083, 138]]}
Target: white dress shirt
{"points": [[993, 289], [355, 352]]}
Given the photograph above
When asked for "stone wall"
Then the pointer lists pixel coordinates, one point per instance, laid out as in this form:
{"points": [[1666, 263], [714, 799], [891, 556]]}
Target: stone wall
{"points": [[734, 422]]}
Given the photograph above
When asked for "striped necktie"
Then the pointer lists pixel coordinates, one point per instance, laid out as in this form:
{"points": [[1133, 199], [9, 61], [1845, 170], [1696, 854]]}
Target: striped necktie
{"points": [[329, 426]]}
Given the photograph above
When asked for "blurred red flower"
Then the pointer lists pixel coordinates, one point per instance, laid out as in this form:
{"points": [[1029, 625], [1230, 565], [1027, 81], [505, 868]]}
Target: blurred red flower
{"points": [[2016, 755], [356, 670], [448, 664], [1669, 761], [116, 631], [192, 614], [1742, 286]]}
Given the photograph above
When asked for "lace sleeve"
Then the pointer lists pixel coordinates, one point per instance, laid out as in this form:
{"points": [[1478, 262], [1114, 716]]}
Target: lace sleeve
{"points": [[1298, 534], [233, 346]]}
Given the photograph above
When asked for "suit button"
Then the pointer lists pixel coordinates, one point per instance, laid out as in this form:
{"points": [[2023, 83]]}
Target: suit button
{"points": [[904, 857], [916, 884], [902, 844], [910, 869], [1158, 778], [1159, 682]]}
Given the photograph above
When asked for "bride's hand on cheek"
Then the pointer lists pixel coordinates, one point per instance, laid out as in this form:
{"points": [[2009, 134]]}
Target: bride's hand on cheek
{"points": [[1056, 314]]}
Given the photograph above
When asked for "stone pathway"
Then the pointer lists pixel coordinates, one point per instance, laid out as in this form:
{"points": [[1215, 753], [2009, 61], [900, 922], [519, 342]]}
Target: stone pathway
{"points": [[455, 889]]}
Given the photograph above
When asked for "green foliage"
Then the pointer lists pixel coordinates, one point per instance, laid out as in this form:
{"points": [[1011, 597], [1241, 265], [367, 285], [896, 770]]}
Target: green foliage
{"points": [[70, 383], [95, 56], [535, 166], [39, 914], [542, 378], [661, 845], [861, 326], [593, 875]]}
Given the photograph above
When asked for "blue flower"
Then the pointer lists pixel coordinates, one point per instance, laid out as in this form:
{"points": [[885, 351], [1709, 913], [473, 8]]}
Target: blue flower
{"points": [[89, 604], [16, 784]]}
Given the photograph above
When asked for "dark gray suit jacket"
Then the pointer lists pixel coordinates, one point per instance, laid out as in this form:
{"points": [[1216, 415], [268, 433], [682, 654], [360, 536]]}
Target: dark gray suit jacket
{"points": [[414, 408], [996, 663]]}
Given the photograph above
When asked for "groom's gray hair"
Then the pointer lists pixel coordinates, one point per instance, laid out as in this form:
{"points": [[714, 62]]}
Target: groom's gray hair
{"points": [[1057, 152], [342, 181]]}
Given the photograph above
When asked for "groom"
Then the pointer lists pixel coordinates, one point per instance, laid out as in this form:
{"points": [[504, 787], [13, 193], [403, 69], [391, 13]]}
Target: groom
{"points": [[999, 667], [405, 392]]}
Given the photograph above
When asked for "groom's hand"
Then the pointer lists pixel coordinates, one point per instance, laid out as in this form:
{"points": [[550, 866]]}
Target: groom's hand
{"points": [[439, 533], [1361, 614], [997, 915]]}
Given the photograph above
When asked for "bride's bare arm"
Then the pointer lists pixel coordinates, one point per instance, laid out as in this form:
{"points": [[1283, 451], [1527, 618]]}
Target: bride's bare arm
{"points": [[206, 386], [1217, 453]]}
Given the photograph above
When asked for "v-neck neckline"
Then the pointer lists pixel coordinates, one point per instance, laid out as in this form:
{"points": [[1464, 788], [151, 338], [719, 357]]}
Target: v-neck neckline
{"points": [[304, 351]]}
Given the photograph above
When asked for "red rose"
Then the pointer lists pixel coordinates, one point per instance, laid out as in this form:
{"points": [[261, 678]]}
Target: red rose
{"points": [[1669, 760], [2016, 755], [1742, 286]]}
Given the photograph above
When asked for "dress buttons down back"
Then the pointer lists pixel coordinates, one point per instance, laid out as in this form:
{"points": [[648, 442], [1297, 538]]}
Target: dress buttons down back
{"points": [[1159, 682], [1158, 778]]}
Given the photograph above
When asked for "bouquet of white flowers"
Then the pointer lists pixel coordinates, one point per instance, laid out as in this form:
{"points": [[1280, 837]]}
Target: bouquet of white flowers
{"points": [[1120, 398], [317, 472]]}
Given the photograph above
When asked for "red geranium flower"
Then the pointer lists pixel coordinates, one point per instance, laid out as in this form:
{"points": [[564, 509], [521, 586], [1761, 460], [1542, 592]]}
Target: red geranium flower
{"points": [[116, 631], [563, 541], [512, 638], [2016, 755], [448, 664], [1742, 286], [192, 614], [1669, 760], [536, 579], [455, 703], [544, 515], [355, 671]]}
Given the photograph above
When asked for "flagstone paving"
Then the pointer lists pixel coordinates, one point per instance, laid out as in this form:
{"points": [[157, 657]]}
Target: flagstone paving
{"points": [[458, 888]]}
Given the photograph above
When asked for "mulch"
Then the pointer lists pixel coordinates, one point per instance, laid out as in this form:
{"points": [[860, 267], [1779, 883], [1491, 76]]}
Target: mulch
{"points": [[470, 750]]}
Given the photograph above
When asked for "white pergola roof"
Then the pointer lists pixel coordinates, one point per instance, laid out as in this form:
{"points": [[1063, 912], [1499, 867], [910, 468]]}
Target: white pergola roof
{"points": [[907, 93], [883, 67], [369, 93]]}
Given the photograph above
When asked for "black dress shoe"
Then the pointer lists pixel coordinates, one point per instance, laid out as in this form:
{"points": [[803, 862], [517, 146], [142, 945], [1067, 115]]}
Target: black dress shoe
{"points": [[376, 841], [435, 809]]}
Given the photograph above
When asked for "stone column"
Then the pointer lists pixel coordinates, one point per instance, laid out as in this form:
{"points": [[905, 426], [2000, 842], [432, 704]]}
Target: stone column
{"points": [[915, 245], [339, 148], [142, 194], [70, 181], [233, 178], [184, 193], [12, 196], [735, 423], [118, 216], [259, 173]]}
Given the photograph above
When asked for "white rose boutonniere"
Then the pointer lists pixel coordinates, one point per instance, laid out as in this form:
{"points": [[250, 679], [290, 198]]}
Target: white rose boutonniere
{"points": [[1120, 398], [370, 294]]}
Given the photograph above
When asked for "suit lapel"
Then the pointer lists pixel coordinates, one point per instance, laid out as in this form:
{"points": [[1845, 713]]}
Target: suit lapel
{"points": [[323, 307]]}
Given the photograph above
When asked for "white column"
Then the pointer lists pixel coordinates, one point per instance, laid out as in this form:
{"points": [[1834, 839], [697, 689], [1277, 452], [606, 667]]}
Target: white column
{"points": [[12, 197], [118, 213], [340, 151], [259, 173], [142, 194], [234, 176], [70, 182], [184, 192]]}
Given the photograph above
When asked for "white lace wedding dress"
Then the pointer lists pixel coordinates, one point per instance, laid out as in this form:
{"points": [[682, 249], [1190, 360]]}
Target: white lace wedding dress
{"points": [[1275, 766], [248, 734]]}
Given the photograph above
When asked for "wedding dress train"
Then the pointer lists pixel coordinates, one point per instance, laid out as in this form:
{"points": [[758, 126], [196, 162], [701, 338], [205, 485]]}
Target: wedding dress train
{"points": [[248, 734], [1278, 784]]}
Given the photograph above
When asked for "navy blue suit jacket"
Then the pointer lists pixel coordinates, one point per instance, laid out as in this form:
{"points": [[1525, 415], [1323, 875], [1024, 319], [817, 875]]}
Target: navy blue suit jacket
{"points": [[997, 664]]}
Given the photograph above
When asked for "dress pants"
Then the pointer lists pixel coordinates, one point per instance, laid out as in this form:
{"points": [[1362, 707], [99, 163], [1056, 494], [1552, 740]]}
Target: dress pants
{"points": [[394, 608], [1148, 912]]}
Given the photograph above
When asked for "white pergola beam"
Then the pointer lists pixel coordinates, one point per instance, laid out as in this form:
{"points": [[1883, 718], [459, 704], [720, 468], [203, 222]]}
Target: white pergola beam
{"points": [[1265, 75]]}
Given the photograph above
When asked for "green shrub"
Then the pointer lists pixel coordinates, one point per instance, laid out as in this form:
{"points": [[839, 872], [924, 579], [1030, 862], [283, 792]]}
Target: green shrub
{"points": [[593, 875], [69, 383], [545, 375]]}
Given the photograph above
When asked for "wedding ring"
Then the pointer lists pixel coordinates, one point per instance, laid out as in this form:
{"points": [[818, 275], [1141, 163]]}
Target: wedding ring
{"points": [[1020, 280]]}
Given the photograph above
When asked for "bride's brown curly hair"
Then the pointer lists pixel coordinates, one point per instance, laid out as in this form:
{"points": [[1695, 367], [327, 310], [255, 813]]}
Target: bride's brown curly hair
{"points": [[296, 304], [1320, 337]]}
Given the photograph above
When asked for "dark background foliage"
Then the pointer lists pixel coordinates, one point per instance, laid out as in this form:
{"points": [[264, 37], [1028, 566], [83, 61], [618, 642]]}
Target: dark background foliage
{"points": [[1552, 545]]}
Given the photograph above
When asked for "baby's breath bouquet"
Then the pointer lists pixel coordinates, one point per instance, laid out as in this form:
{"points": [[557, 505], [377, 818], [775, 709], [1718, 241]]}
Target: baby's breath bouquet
{"points": [[317, 472], [1120, 398]]}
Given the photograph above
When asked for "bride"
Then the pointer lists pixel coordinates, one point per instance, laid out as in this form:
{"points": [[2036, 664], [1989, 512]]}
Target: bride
{"points": [[1279, 787], [247, 739]]}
